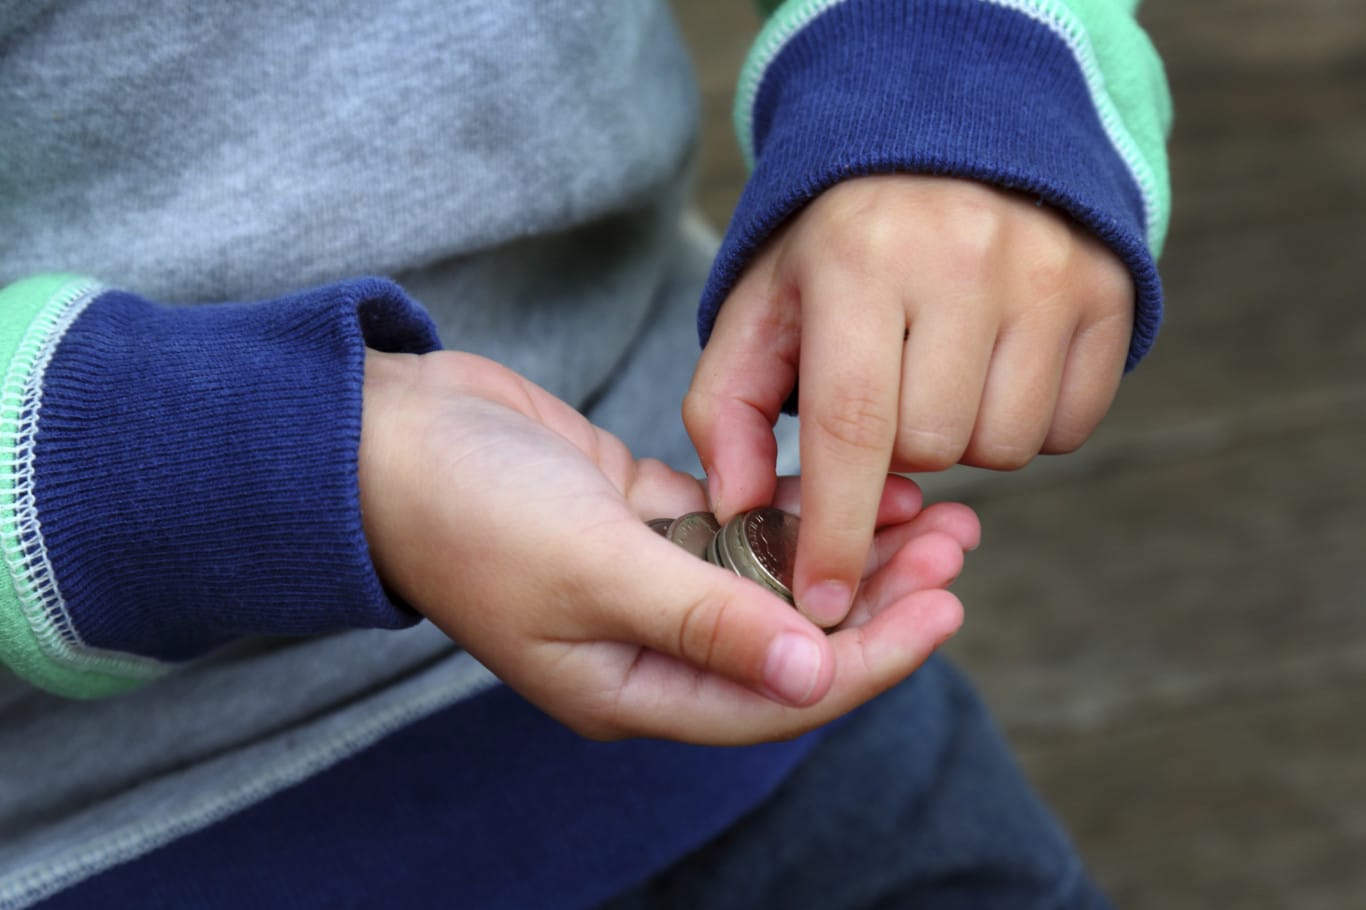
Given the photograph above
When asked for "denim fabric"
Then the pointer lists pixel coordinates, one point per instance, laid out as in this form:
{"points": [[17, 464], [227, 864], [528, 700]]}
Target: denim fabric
{"points": [[915, 802]]}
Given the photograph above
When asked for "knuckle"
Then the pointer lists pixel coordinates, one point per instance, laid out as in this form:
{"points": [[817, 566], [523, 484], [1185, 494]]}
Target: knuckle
{"points": [[857, 426], [856, 233], [1050, 262], [976, 217], [698, 407], [862, 248], [929, 450], [1065, 440], [1001, 457], [1011, 438], [701, 627], [1071, 429], [971, 234]]}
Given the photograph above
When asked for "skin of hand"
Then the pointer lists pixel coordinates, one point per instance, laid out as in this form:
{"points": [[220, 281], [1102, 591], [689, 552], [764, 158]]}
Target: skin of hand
{"points": [[931, 321], [517, 527]]}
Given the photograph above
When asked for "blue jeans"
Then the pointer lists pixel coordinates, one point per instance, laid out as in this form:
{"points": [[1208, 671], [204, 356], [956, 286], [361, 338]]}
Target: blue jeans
{"points": [[915, 802]]}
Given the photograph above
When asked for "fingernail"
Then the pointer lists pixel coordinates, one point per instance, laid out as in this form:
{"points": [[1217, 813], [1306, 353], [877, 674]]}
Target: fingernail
{"points": [[792, 667], [827, 603]]}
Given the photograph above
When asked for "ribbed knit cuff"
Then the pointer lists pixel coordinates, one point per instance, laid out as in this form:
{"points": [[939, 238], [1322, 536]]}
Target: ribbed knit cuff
{"points": [[990, 91], [191, 474]]}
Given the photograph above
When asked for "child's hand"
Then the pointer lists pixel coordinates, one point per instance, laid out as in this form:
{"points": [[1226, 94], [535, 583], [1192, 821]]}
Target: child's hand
{"points": [[930, 321], [517, 527]]}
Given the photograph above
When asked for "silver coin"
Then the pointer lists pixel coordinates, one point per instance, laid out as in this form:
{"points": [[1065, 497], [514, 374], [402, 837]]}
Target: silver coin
{"points": [[718, 554], [770, 541], [660, 525], [732, 547], [694, 532], [758, 545], [710, 554]]}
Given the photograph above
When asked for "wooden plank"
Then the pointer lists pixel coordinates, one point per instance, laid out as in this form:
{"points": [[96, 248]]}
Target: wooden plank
{"points": [[1253, 803], [1172, 581]]}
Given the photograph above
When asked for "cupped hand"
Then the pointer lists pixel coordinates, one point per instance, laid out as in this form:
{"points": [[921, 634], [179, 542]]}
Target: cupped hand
{"points": [[517, 527], [923, 321]]}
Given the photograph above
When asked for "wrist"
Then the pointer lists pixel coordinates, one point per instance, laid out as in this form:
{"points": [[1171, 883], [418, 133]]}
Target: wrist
{"points": [[389, 379]]}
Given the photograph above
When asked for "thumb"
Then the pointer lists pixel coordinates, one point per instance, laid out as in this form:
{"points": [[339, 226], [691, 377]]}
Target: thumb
{"points": [[718, 624]]}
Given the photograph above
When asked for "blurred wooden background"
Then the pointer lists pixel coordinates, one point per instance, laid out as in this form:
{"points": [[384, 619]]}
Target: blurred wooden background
{"points": [[1171, 624]]}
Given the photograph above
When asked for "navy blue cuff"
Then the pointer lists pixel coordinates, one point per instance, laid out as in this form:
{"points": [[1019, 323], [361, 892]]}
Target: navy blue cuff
{"points": [[945, 87], [195, 468]]}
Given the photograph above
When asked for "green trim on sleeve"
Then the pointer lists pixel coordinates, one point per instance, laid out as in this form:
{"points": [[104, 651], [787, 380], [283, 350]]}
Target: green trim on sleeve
{"points": [[1123, 74], [37, 641], [1134, 80], [785, 20]]}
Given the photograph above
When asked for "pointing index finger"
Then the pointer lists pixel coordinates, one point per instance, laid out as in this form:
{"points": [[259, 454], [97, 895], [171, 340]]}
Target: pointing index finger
{"points": [[849, 396]]}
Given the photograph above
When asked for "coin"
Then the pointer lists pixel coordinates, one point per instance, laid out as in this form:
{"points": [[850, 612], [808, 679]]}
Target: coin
{"points": [[694, 532], [770, 539], [731, 545], [718, 555], [713, 556], [759, 545]]}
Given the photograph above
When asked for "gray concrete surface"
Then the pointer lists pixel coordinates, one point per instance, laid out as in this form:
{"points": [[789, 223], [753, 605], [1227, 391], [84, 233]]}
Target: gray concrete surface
{"points": [[1170, 623]]}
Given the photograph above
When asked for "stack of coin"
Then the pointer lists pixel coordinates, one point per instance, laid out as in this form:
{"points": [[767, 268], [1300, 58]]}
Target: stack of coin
{"points": [[760, 545]]}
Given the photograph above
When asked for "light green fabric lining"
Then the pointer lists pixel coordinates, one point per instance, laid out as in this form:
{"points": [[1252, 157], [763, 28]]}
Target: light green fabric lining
{"points": [[31, 644], [1122, 70], [1135, 81]]}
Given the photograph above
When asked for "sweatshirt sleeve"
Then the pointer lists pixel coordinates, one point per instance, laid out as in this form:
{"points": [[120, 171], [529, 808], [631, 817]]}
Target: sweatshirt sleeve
{"points": [[173, 478], [1064, 100]]}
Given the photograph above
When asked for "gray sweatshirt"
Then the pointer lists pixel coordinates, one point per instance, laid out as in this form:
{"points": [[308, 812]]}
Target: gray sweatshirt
{"points": [[518, 166]]}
